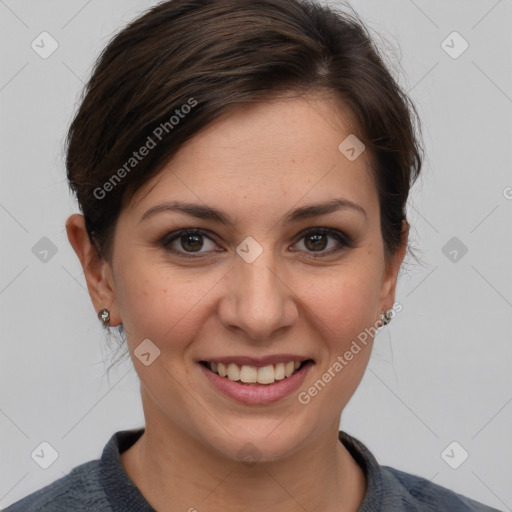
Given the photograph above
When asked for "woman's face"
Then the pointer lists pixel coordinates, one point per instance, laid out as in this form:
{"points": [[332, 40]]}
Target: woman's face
{"points": [[263, 288]]}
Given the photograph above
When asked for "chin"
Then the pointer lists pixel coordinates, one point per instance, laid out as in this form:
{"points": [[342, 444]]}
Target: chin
{"points": [[266, 441]]}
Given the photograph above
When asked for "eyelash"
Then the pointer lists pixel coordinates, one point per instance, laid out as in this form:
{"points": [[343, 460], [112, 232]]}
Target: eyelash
{"points": [[343, 240]]}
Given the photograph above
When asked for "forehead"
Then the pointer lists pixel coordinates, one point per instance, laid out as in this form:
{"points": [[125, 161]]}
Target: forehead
{"points": [[266, 154]]}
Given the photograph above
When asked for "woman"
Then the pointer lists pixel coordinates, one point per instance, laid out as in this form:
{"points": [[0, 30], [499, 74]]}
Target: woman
{"points": [[243, 170]]}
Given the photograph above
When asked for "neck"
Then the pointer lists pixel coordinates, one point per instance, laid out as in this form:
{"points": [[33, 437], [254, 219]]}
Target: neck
{"points": [[176, 472]]}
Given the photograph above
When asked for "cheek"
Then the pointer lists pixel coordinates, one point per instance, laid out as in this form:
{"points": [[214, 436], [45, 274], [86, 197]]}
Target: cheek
{"points": [[157, 304], [345, 303], [342, 310]]}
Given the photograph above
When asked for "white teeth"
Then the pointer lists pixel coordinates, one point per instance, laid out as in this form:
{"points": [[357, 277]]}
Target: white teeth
{"points": [[233, 372], [248, 374], [279, 373], [252, 374], [222, 370], [289, 368], [266, 375]]}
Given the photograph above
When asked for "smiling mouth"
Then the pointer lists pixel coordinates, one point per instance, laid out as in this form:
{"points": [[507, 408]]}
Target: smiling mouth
{"points": [[247, 374]]}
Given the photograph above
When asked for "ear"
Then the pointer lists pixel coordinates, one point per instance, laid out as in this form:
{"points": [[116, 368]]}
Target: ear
{"points": [[97, 271], [389, 279]]}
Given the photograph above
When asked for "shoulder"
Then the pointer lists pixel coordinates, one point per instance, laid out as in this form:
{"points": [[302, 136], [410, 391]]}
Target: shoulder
{"points": [[391, 490], [79, 490], [415, 493]]}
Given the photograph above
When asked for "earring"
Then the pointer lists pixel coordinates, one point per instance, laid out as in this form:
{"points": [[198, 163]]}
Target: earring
{"points": [[104, 316], [386, 316]]}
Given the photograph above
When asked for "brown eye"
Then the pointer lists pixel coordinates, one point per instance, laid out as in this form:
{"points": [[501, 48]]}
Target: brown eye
{"points": [[191, 242], [318, 240], [187, 242]]}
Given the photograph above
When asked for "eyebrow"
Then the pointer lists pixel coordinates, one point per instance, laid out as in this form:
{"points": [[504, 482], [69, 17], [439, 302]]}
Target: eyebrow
{"points": [[210, 213]]}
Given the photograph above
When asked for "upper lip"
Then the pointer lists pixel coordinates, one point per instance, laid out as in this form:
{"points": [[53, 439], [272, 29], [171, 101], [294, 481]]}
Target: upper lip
{"points": [[257, 361]]}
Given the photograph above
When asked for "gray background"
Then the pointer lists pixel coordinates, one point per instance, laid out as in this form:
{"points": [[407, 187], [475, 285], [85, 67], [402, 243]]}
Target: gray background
{"points": [[440, 372]]}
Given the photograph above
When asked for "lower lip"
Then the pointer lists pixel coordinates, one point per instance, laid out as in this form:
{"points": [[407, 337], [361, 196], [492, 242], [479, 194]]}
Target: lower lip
{"points": [[258, 393]]}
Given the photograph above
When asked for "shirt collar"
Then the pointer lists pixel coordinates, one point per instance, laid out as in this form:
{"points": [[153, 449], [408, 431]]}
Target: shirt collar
{"points": [[124, 495], [121, 492]]}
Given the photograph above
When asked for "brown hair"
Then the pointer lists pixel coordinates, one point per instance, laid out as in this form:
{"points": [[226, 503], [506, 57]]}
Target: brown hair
{"points": [[186, 63]]}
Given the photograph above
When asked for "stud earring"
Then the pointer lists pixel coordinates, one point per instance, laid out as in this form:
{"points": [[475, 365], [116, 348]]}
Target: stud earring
{"points": [[386, 316], [104, 316]]}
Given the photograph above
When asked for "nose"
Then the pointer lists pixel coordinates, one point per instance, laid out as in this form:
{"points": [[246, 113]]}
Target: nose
{"points": [[258, 299]]}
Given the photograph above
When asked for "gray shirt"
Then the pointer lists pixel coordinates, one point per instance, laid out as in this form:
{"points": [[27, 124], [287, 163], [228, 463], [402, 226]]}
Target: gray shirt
{"points": [[103, 485]]}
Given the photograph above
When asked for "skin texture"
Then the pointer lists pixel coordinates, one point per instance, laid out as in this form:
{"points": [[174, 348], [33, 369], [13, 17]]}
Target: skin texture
{"points": [[256, 165]]}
